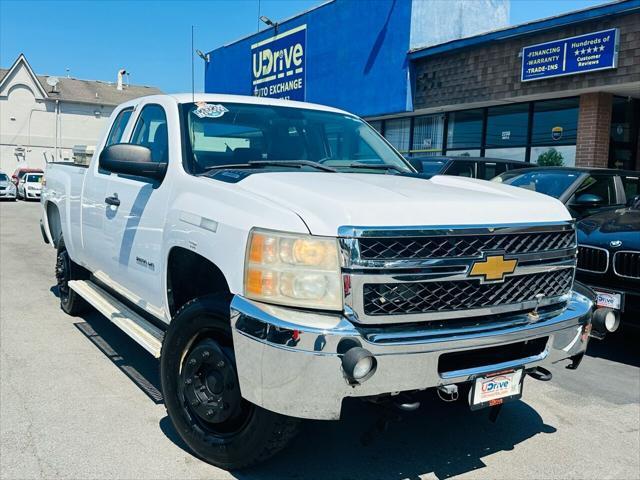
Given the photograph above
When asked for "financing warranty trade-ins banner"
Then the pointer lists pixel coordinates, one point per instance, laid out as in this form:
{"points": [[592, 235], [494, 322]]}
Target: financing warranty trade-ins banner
{"points": [[584, 53], [278, 65]]}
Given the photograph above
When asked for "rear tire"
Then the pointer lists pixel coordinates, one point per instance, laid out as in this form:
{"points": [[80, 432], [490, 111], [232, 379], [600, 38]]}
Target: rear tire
{"points": [[202, 394], [66, 270]]}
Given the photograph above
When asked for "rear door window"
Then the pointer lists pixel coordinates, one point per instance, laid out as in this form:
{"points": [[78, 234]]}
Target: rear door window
{"points": [[462, 169], [631, 185], [602, 186], [489, 170]]}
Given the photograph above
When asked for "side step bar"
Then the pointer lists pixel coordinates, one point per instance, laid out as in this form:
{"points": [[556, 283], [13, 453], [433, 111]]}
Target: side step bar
{"points": [[137, 327]]}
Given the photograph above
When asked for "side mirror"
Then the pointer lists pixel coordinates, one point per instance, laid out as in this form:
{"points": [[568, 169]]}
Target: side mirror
{"points": [[130, 159], [588, 199], [415, 163]]}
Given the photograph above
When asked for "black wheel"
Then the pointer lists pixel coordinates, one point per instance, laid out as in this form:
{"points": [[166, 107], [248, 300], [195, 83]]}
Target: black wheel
{"points": [[67, 269], [202, 395]]}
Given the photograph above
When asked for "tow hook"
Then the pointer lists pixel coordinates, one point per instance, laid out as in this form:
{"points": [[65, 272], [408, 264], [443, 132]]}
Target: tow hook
{"points": [[406, 403], [448, 393], [540, 373]]}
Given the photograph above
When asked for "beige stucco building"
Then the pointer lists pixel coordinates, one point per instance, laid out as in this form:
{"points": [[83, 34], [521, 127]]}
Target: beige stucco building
{"points": [[42, 118]]}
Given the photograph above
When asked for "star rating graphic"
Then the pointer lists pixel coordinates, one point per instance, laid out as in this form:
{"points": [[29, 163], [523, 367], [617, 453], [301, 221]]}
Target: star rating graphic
{"points": [[595, 49]]}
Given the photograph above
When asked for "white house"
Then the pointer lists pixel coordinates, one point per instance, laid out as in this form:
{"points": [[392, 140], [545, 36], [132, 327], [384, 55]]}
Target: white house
{"points": [[42, 118]]}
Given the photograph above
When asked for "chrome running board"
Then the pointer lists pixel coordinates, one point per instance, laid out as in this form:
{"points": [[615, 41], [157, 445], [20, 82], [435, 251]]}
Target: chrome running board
{"points": [[137, 327]]}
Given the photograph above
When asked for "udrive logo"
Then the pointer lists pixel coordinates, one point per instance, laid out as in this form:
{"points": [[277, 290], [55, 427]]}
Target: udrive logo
{"points": [[495, 384]]}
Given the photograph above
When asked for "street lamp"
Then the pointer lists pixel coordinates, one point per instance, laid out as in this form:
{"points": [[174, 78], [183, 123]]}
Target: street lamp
{"points": [[267, 21], [204, 56]]}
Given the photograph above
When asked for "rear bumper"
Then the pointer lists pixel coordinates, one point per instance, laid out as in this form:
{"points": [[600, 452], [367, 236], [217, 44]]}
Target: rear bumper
{"points": [[288, 360]]}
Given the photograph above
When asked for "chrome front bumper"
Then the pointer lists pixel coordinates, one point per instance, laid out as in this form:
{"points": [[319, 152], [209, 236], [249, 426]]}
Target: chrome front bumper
{"points": [[288, 360]]}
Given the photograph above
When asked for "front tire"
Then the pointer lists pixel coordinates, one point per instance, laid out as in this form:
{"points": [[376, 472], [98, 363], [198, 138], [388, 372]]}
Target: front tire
{"points": [[202, 395], [66, 270]]}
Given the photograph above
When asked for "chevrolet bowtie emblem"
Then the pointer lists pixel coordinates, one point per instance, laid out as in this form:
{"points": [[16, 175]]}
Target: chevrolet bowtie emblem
{"points": [[493, 268]]}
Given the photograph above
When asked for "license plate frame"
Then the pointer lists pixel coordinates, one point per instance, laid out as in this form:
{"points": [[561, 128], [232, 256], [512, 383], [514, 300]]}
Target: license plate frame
{"points": [[479, 400], [610, 299]]}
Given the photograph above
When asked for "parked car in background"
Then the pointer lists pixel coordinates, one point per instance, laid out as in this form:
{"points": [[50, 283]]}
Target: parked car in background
{"points": [[7, 188], [609, 258], [472, 167], [584, 191], [21, 172], [30, 186]]}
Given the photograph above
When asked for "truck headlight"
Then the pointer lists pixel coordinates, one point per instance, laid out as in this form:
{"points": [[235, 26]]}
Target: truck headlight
{"points": [[293, 269]]}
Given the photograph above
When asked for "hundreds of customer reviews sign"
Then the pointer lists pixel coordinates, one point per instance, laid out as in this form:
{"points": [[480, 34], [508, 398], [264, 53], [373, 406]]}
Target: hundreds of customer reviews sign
{"points": [[585, 53], [278, 65]]}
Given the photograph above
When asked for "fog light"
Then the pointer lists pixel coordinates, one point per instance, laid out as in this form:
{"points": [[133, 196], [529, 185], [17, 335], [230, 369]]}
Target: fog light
{"points": [[358, 364], [606, 320]]}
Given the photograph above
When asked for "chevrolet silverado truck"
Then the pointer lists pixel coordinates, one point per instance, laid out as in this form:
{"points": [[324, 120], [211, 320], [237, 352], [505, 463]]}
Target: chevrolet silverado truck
{"points": [[281, 257]]}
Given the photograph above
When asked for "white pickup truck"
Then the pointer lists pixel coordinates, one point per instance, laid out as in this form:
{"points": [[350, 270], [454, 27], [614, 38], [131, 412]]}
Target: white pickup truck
{"points": [[281, 257]]}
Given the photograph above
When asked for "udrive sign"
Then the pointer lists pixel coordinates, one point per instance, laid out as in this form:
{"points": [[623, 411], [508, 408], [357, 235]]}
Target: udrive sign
{"points": [[278, 65]]}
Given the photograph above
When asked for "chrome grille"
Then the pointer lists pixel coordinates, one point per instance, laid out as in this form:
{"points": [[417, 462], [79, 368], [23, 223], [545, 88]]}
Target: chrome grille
{"points": [[423, 297], [626, 264], [593, 259], [397, 275], [463, 245]]}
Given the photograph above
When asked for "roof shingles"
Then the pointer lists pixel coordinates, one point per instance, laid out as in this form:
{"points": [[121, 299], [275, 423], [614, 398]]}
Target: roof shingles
{"points": [[91, 91]]}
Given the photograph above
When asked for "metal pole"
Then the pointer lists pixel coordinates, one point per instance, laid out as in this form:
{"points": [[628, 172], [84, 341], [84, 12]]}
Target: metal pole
{"points": [[193, 85]]}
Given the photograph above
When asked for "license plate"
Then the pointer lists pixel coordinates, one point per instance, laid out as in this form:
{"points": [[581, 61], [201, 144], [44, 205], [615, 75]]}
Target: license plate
{"points": [[609, 300], [496, 388]]}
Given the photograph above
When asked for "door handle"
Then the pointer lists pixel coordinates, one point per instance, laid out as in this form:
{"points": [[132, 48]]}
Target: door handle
{"points": [[113, 200]]}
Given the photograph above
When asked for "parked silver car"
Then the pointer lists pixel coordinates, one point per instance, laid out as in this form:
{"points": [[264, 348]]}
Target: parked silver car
{"points": [[7, 187]]}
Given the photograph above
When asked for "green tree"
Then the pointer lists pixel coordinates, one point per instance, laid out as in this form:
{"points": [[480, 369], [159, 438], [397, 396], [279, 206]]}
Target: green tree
{"points": [[551, 158]]}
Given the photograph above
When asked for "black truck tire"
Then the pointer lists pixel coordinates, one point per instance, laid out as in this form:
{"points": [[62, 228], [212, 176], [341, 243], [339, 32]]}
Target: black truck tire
{"points": [[202, 394], [66, 269]]}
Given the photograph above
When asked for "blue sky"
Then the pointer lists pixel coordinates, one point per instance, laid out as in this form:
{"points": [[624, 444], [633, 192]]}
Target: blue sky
{"points": [[93, 39]]}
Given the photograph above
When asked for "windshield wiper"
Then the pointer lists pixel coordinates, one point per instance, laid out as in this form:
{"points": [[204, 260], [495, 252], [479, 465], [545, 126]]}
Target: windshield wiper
{"points": [[377, 166], [292, 163]]}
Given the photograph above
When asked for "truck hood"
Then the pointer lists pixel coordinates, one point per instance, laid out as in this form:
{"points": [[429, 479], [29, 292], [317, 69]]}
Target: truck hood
{"points": [[326, 201]]}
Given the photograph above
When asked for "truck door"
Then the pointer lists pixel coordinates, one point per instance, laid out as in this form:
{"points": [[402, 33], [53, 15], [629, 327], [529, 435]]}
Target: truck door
{"points": [[95, 252], [135, 227]]}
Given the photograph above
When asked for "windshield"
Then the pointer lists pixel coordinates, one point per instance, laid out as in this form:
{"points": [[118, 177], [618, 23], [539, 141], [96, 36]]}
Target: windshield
{"points": [[33, 178], [233, 134], [3, 177], [547, 182]]}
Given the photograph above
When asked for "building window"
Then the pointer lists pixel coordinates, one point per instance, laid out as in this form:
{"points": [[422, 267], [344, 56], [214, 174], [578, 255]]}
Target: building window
{"points": [[463, 153], [377, 124], [464, 129], [517, 153], [507, 126], [396, 132], [554, 156], [428, 132], [555, 122]]}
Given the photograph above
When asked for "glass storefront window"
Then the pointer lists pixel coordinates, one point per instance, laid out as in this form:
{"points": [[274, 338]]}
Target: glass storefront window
{"points": [[561, 156], [428, 132], [463, 153], [507, 125], [464, 129], [517, 153], [396, 131], [555, 122], [377, 124]]}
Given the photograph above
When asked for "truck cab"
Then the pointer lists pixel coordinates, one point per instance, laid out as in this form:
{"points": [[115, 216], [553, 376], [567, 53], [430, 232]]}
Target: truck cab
{"points": [[280, 257]]}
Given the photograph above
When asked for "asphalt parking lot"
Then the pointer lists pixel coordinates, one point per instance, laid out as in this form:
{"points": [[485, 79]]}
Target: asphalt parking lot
{"points": [[79, 399]]}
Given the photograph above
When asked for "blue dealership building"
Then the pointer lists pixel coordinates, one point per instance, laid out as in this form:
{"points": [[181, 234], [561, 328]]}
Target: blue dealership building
{"points": [[451, 78]]}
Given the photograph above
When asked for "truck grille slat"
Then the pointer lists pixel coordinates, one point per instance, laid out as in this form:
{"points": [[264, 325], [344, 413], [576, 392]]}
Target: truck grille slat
{"points": [[399, 248], [424, 297]]}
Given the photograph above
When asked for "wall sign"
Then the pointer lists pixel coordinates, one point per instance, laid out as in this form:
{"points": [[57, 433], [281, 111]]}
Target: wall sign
{"points": [[584, 53], [278, 65]]}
